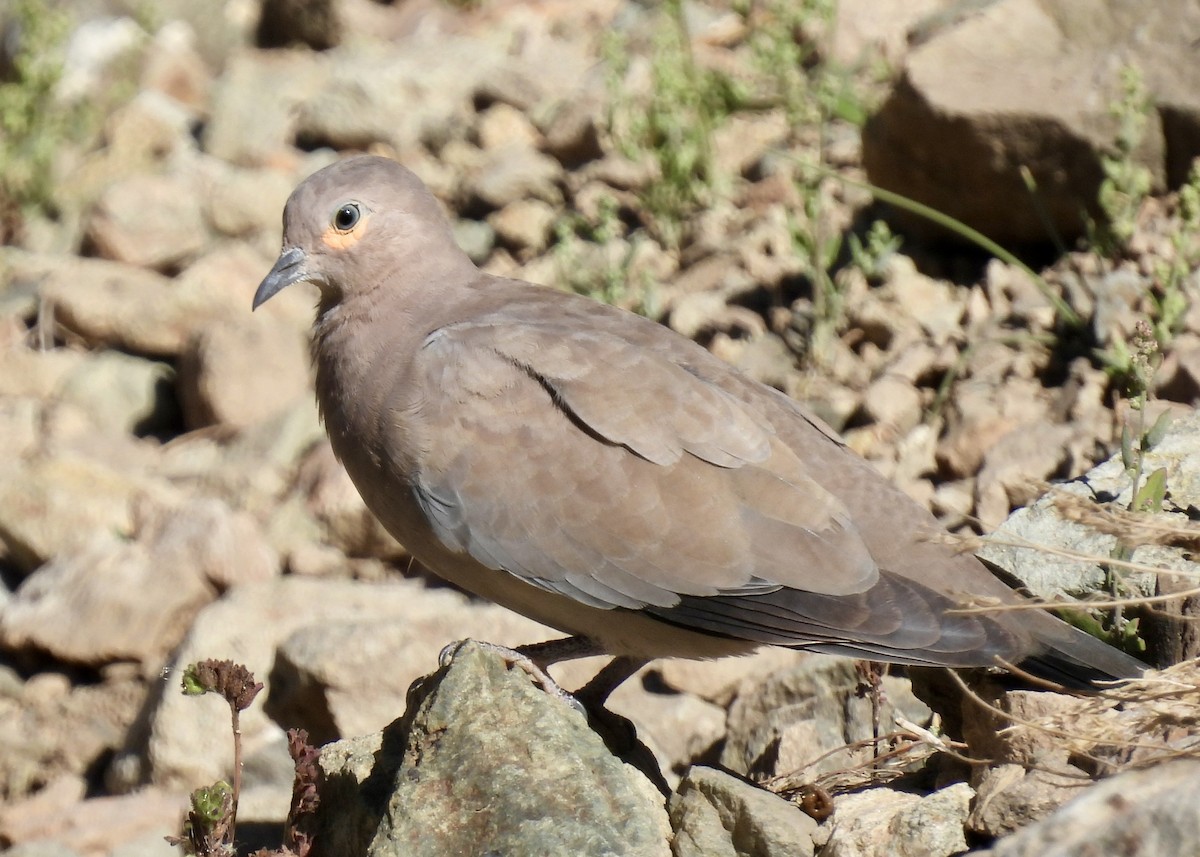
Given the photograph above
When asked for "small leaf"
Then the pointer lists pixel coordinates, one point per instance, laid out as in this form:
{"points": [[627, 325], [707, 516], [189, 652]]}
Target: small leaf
{"points": [[1150, 496], [1127, 457], [1158, 431]]}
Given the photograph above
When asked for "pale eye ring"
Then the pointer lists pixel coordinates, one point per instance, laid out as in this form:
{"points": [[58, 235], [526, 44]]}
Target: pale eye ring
{"points": [[346, 217]]}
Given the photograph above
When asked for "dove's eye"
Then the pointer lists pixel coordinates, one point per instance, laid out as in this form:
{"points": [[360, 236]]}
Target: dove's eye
{"points": [[346, 217]]}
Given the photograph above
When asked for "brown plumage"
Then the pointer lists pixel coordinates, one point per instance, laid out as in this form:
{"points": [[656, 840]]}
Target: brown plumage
{"points": [[593, 470]]}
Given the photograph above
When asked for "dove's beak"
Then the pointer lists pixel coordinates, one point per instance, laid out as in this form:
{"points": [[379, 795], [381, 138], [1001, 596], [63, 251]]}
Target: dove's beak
{"points": [[289, 268]]}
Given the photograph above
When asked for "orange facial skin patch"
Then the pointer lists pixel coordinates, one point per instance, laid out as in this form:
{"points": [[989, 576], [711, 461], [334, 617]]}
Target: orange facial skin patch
{"points": [[335, 239]]}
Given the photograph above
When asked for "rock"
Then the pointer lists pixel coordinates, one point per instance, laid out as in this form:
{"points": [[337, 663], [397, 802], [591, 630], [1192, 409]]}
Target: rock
{"points": [[78, 607], [524, 225], [243, 203], [326, 675], [93, 297], [802, 720], [1026, 455], [215, 387], [721, 680], [377, 94], [1041, 525], [886, 823], [36, 373], [1179, 377], [254, 106], [936, 305], [1023, 84], [52, 506], [173, 67], [123, 394], [516, 172], [187, 742], [1146, 813], [502, 125], [151, 127], [1011, 797], [571, 129], [485, 761], [893, 401], [54, 735], [678, 728], [740, 143], [477, 238], [96, 827], [716, 815], [151, 221], [339, 509]]}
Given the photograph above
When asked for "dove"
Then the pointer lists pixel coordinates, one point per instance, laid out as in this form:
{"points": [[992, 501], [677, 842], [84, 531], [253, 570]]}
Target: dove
{"points": [[597, 472]]}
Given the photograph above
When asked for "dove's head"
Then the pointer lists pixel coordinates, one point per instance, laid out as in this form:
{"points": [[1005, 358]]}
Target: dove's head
{"points": [[360, 224]]}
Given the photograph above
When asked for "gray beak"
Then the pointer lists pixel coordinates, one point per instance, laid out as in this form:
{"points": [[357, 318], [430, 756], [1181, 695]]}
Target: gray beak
{"points": [[289, 268]]}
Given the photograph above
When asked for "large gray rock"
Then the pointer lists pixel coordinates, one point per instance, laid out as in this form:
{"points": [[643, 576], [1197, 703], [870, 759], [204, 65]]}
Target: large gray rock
{"points": [[1028, 83], [484, 762], [1147, 813], [1024, 546], [716, 815]]}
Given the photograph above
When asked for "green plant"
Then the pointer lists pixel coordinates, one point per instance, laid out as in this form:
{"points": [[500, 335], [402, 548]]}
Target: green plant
{"points": [[673, 128], [872, 256], [817, 247], [1126, 182], [32, 121], [586, 263], [810, 88], [1170, 298]]}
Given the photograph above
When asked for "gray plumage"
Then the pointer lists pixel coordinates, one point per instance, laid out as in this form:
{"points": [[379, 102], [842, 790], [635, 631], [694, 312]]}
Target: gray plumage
{"points": [[599, 473]]}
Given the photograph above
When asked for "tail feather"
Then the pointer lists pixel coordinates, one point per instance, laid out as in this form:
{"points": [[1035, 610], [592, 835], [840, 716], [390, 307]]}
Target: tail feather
{"points": [[1078, 660]]}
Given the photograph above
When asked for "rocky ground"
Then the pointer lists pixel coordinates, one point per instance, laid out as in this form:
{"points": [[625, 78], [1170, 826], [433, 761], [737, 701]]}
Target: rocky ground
{"points": [[166, 491]]}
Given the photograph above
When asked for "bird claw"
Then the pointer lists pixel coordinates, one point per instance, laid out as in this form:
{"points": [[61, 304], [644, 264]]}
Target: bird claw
{"points": [[514, 658]]}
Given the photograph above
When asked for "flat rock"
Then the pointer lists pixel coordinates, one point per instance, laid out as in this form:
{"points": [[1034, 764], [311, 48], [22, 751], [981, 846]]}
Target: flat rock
{"points": [[93, 297], [1021, 545], [886, 823], [122, 394], [326, 677], [516, 172], [716, 815], [483, 761], [188, 742], [215, 387], [79, 608], [151, 221], [52, 505], [1147, 813]]}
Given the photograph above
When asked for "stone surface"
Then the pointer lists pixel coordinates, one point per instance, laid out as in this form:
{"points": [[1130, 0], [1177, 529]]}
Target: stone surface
{"points": [[1148, 813], [327, 678], [51, 505], [887, 823], [77, 607], [113, 304], [1020, 546], [242, 373], [974, 106], [716, 815], [485, 761], [801, 720], [184, 745], [121, 394], [149, 221]]}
